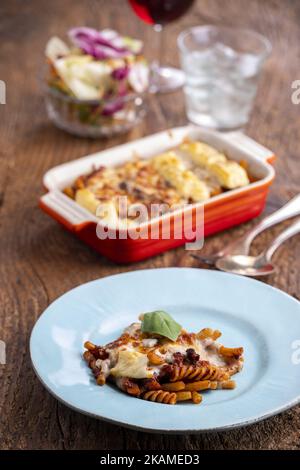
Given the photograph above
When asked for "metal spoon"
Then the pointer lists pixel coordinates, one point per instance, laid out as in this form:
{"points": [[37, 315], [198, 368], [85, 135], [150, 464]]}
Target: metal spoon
{"points": [[241, 246], [257, 265]]}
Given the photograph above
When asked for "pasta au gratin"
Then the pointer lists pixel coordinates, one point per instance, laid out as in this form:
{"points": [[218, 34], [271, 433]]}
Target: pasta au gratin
{"points": [[157, 360], [190, 173]]}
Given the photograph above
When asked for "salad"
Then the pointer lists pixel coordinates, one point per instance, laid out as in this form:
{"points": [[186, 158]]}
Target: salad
{"points": [[101, 72]]}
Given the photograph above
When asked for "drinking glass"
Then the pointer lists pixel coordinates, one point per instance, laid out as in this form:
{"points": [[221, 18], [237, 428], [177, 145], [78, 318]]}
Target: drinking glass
{"points": [[158, 13], [222, 67]]}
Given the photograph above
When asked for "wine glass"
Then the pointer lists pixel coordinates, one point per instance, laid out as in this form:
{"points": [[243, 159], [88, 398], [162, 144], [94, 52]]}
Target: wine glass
{"points": [[158, 13]]}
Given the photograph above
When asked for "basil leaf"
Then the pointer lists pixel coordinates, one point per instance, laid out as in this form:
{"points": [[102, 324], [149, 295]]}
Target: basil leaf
{"points": [[161, 323]]}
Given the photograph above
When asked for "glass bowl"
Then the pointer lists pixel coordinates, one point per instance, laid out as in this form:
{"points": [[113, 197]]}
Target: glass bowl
{"points": [[95, 118]]}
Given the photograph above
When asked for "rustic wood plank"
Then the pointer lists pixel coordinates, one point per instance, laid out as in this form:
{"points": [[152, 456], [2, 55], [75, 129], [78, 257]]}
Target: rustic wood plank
{"points": [[39, 260]]}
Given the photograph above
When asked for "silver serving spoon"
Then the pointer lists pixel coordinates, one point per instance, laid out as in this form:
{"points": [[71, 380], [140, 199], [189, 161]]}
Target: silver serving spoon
{"points": [[257, 265]]}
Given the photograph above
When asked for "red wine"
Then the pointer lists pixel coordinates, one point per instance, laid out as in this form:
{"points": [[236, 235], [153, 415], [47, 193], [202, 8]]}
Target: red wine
{"points": [[160, 11]]}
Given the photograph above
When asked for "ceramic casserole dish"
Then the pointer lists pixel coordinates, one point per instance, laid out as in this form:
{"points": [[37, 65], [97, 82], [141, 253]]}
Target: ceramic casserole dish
{"points": [[220, 212]]}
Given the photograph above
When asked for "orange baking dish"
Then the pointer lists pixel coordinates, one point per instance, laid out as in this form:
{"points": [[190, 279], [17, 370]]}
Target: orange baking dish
{"points": [[220, 212]]}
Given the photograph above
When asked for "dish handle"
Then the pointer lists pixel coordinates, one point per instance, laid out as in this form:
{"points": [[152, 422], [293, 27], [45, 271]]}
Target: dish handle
{"points": [[239, 139], [65, 210]]}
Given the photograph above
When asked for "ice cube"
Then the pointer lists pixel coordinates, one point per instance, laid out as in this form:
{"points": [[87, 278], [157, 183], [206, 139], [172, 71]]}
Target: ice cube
{"points": [[242, 64], [199, 62]]}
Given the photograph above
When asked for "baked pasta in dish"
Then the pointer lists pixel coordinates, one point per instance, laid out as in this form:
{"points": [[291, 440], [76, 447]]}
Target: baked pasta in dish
{"points": [[156, 360], [190, 173]]}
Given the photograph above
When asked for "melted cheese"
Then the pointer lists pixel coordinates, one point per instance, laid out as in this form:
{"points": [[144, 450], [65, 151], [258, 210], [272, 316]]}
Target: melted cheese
{"points": [[207, 351], [230, 174], [129, 356], [203, 154], [191, 172], [172, 168], [85, 198], [132, 364]]}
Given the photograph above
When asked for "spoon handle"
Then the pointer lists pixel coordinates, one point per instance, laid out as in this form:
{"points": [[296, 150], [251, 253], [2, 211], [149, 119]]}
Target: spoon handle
{"points": [[291, 209], [242, 245], [285, 235]]}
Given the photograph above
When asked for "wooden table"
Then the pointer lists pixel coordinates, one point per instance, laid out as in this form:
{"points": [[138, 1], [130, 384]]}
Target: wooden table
{"points": [[40, 261]]}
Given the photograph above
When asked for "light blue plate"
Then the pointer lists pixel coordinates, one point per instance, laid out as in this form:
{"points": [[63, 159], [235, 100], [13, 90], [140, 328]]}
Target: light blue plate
{"points": [[264, 320]]}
